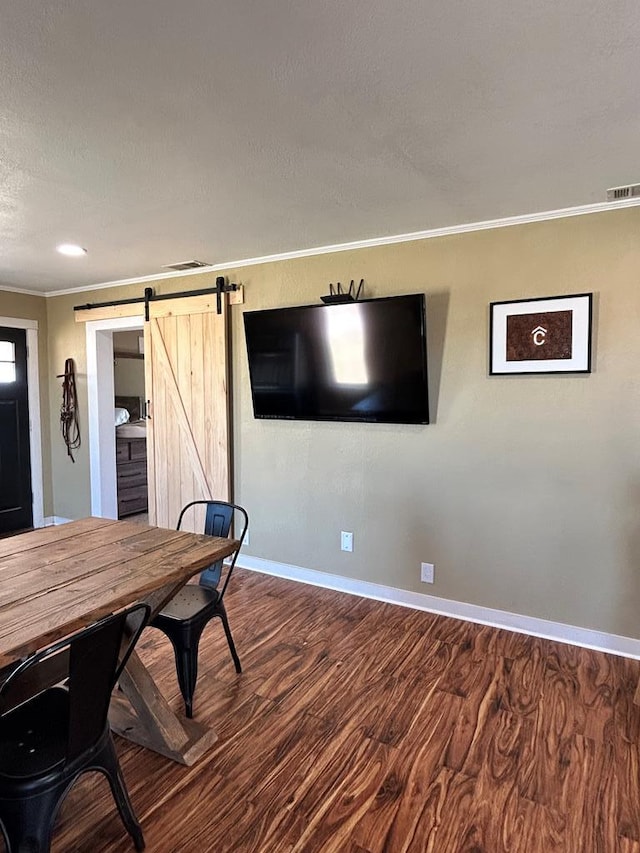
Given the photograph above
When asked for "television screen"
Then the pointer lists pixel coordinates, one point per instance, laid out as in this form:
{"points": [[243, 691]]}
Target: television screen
{"points": [[353, 361]]}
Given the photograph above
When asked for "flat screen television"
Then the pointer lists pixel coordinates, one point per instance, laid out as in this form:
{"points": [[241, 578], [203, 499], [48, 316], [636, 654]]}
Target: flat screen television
{"points": [[353, 361]]}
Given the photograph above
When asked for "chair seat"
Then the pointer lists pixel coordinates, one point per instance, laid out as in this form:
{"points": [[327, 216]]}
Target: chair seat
{"points": [[33, 737], [193, 601]]}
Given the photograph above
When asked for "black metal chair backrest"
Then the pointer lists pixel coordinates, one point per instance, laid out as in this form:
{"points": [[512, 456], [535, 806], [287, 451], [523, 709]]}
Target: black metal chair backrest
{"points": [[91, 662], [218, 520]]}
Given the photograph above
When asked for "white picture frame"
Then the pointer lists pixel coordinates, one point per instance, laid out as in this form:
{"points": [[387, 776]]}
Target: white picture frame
{"points": [[541, 335]]}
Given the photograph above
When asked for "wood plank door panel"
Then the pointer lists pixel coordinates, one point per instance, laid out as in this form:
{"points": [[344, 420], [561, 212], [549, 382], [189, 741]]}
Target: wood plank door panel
{"points": [[186, 362]]}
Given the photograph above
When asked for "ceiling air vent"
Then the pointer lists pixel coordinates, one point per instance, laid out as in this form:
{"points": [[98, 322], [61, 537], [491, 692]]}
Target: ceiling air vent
{"points": [[623, 193], [185, 265]]}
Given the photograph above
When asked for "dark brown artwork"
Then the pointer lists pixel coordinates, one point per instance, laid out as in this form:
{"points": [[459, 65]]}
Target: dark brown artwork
{"points": [[539, 337]]}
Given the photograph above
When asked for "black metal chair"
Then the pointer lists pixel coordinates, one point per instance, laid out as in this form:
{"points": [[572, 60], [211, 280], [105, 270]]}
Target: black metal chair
{"points": [[185, 617], [49, 740]]}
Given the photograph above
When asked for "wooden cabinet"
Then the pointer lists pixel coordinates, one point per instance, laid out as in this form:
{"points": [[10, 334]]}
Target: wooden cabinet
{"points": [[131, 471]]}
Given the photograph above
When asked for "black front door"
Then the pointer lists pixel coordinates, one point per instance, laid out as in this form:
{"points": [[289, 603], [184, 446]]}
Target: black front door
{"points": [[15, 459]]}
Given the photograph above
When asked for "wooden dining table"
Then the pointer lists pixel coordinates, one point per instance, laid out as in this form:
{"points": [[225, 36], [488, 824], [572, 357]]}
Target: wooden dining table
{"points": [[56, 580]]}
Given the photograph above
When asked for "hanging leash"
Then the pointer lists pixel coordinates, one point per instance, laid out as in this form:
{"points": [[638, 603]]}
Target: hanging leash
{"points": [[69, 409]]}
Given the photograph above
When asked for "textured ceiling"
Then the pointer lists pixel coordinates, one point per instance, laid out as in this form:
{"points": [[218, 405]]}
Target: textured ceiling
{"points": [[153, 131]]}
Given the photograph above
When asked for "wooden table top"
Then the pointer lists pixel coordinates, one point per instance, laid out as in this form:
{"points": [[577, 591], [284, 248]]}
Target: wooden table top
{"points": [[56, 580]]}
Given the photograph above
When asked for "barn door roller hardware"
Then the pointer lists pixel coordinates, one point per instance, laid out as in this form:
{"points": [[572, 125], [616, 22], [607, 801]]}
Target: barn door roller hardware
{"points": [[222, 286]]}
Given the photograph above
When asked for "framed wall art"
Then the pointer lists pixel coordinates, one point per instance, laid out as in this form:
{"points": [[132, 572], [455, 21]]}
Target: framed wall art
{"points": [[542, 335]]}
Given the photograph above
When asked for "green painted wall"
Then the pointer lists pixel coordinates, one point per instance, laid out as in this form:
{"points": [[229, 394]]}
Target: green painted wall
{"points": [[23, 307], [128, 373], [524, 492]]}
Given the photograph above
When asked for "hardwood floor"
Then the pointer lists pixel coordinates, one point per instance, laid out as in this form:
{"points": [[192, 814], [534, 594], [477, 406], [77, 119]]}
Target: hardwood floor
{"points": [[363, 727]]}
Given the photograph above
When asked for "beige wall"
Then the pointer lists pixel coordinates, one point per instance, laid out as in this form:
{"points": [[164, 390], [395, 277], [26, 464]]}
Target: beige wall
{"points": [[524, 492], [22, 307], [128, 373], [71, 482]]}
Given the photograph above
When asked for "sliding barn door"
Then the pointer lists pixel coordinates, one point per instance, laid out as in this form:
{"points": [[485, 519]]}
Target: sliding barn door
{"points": [[186, 375]]}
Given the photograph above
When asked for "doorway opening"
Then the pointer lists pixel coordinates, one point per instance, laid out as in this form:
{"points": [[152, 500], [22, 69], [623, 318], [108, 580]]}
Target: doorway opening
{"points": [[101, 399], [131, 425]]}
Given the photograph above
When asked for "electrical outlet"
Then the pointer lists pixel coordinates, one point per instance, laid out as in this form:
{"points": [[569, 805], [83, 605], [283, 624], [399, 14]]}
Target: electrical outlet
{"points": [[245, 541], [426, 572], [346, 541]]}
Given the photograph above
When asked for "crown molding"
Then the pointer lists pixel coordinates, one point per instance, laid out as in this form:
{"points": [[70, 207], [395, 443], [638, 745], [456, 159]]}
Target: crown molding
{"points": [[23, 292], [466, 228]]}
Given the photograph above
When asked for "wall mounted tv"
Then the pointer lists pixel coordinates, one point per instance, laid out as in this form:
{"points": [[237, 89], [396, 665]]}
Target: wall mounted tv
{"points": [[354, 361]]}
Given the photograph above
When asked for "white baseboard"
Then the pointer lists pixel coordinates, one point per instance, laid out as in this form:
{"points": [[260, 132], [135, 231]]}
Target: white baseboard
{"points": [[53, 520], [585, 637]]}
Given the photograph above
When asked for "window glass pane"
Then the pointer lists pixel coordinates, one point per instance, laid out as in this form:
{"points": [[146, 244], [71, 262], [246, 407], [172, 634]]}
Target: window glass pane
{"points": [[7, 371], [7, 351]]}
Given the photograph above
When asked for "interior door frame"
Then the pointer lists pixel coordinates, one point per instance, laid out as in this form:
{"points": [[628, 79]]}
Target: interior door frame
{"points": [[100, 393], [35, 428]]}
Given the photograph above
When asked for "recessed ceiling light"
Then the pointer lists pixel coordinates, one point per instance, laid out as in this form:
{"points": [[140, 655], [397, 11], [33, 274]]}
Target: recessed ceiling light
{"points": [[72, 250]]}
